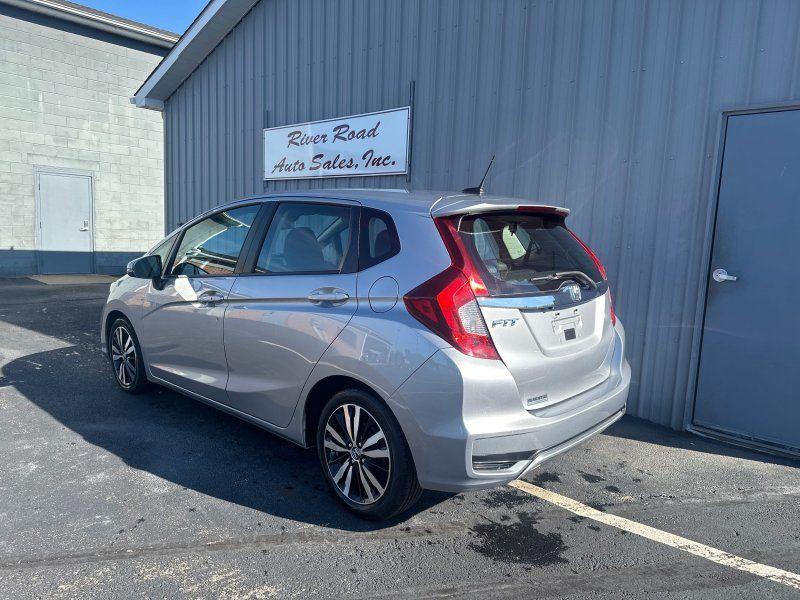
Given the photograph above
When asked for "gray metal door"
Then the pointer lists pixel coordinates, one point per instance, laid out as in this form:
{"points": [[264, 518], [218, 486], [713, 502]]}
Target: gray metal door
{"points": [[749, 378], [65, 223]]}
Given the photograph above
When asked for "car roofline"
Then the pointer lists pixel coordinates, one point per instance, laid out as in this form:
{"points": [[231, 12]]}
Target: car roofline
{"points": [[259, 199], [441, 203]]}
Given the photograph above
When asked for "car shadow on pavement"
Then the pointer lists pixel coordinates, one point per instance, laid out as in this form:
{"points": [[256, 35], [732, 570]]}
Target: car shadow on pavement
{"points": [[184, 441]]}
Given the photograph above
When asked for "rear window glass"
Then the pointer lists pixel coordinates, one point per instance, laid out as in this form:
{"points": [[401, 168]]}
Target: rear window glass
{"points": [[522, 254]]}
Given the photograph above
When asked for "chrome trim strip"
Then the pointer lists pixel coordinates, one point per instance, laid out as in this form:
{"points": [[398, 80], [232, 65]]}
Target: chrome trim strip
{"points": [[542, 302], [521, 302]]}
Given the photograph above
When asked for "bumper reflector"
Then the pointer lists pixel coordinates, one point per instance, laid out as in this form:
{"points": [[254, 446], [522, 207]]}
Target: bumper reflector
{"points": [[500, 462]]}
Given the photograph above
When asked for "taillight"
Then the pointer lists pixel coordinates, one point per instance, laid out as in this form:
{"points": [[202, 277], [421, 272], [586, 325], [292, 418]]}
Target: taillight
{"points": [[447, 303], [600, 268]]}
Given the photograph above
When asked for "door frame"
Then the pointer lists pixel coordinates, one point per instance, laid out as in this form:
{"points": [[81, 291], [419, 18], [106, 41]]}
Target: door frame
{"points": [[705, 275], [38, 171]]}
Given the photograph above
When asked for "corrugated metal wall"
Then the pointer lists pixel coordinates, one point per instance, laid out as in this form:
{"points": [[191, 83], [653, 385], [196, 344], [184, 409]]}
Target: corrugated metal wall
{"points": [[610, 108]]}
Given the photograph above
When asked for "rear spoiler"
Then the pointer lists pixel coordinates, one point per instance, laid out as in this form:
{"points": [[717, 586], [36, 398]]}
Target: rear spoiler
{"points": [[470, 205]]}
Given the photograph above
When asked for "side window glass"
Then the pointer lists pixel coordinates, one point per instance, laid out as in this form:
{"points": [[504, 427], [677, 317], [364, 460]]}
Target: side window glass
{"points": [[306, 238], [379, 240], [212, 246]]}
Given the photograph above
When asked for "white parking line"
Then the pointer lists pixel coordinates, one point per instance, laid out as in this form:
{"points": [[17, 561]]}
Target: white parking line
{"points": [[651, 533]]}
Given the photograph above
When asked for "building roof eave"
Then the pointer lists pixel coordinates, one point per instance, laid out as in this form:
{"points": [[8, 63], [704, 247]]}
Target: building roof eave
{"points": [[149, 103], [96, 19], [210, 27]]}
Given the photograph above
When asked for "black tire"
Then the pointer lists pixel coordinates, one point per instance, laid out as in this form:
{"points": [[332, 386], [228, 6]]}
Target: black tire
{"points": [[367, 473], [128, 371]]}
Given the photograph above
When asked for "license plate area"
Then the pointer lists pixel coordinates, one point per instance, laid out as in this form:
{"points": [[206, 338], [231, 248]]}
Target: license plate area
{"points": [[567, 328]]}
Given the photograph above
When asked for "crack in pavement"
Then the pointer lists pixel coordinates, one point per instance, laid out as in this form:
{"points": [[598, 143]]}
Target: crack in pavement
{"points": [[309, 536]]}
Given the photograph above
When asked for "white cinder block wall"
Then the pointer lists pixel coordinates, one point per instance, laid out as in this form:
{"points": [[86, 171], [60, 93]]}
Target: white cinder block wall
{"points": [[64, 102]]}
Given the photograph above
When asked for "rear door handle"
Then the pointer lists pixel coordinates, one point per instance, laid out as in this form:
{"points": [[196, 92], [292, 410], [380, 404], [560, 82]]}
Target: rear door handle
{"points": [[328, 296], [211, 298]]}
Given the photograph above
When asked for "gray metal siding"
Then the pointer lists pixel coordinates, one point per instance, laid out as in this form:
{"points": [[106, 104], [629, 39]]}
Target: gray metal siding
{"points": [[611, 108]]}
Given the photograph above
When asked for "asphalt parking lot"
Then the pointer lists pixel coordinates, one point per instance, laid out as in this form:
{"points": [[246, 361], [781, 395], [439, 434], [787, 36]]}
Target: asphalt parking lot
{"points": [[107, 495]]}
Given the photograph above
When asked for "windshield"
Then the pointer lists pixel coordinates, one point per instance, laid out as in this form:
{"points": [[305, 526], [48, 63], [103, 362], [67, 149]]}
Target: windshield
{"points": [[527, 253]]}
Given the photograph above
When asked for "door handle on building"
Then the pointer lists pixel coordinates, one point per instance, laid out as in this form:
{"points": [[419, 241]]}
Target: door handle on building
{"points": [[720, 275], [85, 225]]}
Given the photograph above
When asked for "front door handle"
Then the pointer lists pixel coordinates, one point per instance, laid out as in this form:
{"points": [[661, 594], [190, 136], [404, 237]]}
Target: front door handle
{"points": [[328, 296], [211, 298], [720, 275], [85, 225]]}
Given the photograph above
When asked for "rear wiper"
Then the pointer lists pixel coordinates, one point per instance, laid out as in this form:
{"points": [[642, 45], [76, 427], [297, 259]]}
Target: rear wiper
{"points": [[577, 275]]}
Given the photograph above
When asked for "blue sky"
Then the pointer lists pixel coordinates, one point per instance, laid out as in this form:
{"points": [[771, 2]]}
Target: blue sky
{"points": [[174, 15]]}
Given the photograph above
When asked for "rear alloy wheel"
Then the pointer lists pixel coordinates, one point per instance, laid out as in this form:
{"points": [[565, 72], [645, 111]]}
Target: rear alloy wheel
{"points": [[357, 454], [365, 457], [125, 354]]}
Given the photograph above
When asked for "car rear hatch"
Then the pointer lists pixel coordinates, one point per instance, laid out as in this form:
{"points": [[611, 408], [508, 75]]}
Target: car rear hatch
{"points": [[542, 293]]}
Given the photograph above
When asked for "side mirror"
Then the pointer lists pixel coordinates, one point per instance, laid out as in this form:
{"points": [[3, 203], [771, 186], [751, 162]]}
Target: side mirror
{"points": [[145, 267]]}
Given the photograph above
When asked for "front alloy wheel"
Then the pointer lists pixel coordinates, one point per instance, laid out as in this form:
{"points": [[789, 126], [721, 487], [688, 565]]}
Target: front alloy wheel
{"points": [[357, 454], [126, 357], [123, 356]]}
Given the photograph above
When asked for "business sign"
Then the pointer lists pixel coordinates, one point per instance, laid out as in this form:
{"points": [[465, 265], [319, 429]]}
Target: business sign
{"points": [[357, 146]]}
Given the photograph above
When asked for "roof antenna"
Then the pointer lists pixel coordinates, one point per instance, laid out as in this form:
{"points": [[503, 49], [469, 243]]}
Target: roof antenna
{"points": [[479, 190]]}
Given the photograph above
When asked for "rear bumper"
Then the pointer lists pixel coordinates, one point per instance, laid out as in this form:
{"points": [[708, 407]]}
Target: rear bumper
{"points": [[467, 426]]}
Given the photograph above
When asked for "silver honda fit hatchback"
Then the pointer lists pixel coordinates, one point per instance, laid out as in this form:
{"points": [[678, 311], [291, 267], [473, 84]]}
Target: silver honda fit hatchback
{"points": [[416, 339]]}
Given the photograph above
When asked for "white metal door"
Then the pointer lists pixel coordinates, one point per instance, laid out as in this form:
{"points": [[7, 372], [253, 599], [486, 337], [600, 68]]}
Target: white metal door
{"points": [[65, 223]]}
